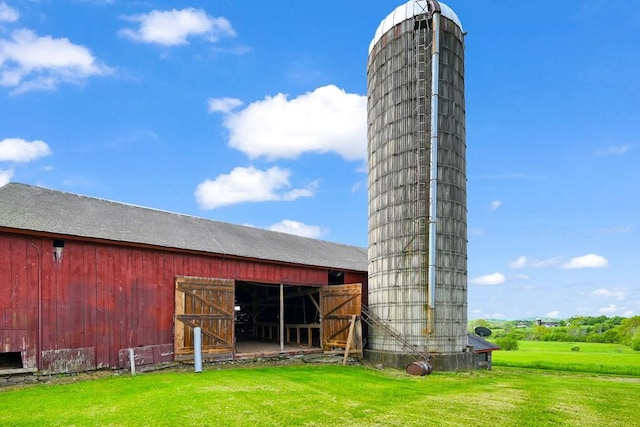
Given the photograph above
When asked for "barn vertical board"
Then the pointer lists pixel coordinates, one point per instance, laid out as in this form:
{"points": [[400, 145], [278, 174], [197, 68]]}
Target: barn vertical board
{"points": [[137, 301], [152, 317], [6, 276], [142, 296], [203, 269], [34, 270], [18, 284], [5, 286], [149, 327], [89, 277], [105, 316], [215, 268], [62, 299], [48, 297], [122, 275], [338, 304], [15, 315], [166, 299], [74, 253], [5, 270], [191, 266]]}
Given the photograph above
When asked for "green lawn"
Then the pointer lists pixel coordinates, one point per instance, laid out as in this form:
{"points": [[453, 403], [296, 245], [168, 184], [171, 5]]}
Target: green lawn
{"points": [[595, 358], [328, 395]]}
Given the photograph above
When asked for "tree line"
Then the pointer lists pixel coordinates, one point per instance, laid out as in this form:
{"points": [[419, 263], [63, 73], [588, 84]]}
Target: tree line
{"points": [[599, 329]]}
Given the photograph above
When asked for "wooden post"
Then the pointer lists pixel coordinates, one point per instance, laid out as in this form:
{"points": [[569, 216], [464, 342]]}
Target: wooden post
{"points": [[132, 361], [349, 338]]}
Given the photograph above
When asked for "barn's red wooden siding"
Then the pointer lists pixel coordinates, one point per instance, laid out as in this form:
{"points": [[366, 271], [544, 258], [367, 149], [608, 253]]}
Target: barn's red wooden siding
{"points": [[108, 297]]}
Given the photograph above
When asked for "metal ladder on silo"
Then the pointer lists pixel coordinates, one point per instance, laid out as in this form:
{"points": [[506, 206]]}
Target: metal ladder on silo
{"points": [[421, 57], [374, 321], [422, 155]]}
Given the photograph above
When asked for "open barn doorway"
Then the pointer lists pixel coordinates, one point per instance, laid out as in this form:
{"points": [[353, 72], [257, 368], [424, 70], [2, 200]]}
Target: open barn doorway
{"points": [[273, 319], [241, 319]]}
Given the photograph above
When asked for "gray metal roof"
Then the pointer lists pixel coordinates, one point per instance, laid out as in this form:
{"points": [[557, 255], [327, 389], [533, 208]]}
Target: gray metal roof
{"points": [[480, 345], [30, 208]]}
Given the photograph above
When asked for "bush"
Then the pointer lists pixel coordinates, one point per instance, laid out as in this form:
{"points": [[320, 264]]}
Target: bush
{"points": [[507, 343], [517, 334]]}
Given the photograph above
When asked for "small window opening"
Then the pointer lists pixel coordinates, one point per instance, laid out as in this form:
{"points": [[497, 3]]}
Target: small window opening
{"points": [[336, 277], [11, 360], [58, 246]]}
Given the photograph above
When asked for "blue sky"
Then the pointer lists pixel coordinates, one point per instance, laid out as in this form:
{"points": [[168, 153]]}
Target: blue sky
{"points": [[255, 113]]}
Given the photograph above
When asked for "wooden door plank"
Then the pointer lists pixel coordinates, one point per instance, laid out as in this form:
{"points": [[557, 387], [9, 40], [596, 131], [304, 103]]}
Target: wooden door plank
{"points": [[207, 303], [339, 304]]}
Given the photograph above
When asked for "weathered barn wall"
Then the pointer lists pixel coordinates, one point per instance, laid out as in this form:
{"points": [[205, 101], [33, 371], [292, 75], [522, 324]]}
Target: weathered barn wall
{"points": [[105, 297]]}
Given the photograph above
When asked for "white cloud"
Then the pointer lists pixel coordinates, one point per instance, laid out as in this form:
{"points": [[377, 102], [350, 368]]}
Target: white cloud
{"points": [[5, 176], [495, 205], [587, 261], [7, 14], [489, 280], [523, 261], [297, 228], [611, 309], [223, 105], [173, 27], [19, 150], [243, 185], [325, 120], [29, 62], [553, 314], [617, 230], [614, 150], [98, 2], [618, 294]]}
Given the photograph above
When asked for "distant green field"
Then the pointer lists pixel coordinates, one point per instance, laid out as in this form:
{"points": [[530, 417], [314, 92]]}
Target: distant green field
{"points": [[594, 358]]}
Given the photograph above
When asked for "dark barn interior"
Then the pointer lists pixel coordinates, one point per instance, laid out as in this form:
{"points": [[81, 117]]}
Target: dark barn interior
{"points": [[258, 310], [257, 316]]}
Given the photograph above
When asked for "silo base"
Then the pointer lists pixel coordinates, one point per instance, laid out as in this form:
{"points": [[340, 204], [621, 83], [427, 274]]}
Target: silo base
{"points": [[463, 361]]}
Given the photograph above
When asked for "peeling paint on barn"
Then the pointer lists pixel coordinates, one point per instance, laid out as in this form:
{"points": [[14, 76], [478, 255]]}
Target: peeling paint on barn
{"points": [[68, 360]]}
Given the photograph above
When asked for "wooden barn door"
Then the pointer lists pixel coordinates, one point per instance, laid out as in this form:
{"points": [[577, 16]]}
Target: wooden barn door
{"points": [[209, 304], [338, 305]]}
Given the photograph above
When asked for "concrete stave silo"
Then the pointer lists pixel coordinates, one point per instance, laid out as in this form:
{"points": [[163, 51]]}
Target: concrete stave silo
{"points": [[417, 283]]}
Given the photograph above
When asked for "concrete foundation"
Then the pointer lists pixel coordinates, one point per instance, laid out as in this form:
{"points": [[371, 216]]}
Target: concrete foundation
{"points": [[441, 362]]}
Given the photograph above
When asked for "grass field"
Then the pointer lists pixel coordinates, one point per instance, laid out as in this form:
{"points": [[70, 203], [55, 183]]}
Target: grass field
{"points": [[594, 358], [328, 395]]}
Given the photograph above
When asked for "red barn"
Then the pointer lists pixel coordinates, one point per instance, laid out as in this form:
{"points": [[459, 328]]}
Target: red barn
{"points": [[84, 281]]}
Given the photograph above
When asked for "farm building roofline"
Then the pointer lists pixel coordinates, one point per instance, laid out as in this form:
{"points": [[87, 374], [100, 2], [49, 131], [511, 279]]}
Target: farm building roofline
{"points": [[37, 209]]}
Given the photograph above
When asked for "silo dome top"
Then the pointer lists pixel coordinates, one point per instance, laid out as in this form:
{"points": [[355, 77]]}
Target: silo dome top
{"points": [[408, 11]]}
